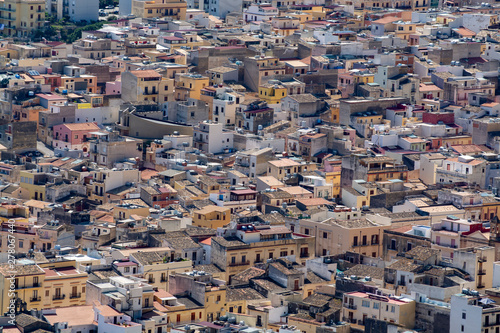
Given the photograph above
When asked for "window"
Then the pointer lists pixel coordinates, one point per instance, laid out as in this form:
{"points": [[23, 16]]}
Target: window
{"points": [[325, 235], [393, 308], [365, 304], [376, 305], [464, 316]]}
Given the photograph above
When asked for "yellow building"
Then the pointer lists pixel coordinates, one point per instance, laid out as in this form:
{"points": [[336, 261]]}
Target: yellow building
{"points": [[457, 140], [348, 232], [14, 212], [34, 182], [189, 86], [69, 82], [272, 93], [43, 286], [251, 246], [178, 312], [148, 85], [174, 9], [21, 17], [357, 306], [63, 286], [333, 177], [280, 169], [123, 211], [405, 29], [212, 217]]}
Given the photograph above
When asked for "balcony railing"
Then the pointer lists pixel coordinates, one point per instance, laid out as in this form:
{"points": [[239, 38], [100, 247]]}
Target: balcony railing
{"points": [[35, 299], [78, 295], [240, 263], [34, 285], [351, 306], [151, 280], [360, 244], [480, 285], [58, 297], [481, 259], [481, 272]]}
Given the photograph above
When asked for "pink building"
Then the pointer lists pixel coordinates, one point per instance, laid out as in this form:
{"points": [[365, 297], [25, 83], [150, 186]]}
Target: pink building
{"points": [[114, 88], [73, 136]]}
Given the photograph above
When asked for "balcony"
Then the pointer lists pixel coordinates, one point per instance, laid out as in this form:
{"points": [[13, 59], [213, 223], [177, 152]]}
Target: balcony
{"points": [[481, 272], [241, 263], [58, 297], [35, 285], [480, 285], [351, 306], [35, 299], [151, 280], [360, 244], [73, 296], [453, 173], [12, 10], [493, 323], [482, 259], [8, 18]]}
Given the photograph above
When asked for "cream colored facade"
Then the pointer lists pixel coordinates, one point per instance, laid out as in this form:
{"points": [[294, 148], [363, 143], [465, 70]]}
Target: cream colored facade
{"points": [[338, 236], [280, 169], [22, 17], [358, 306], [236, 256], [43, 286], [175, 9], [212, 217]]}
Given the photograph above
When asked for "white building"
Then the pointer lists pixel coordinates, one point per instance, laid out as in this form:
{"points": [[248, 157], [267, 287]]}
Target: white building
{"points": [[221, 8], [469, 314], [76, 10], [260, 12], [224, 106], [211, 138]]}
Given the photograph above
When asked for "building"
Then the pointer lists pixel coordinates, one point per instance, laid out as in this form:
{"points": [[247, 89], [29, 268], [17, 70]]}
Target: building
{"points": [[73, 136], [280, 169], [221, 8], [108, 148], [42, 286], [255, 244], [189, 86], [148, 85], [339, 235], [21, 17], [260, 67], [469, 314], [211, 137], [76, 10], [98, 48], [358, 306], [212, 217], [169, 9]]}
